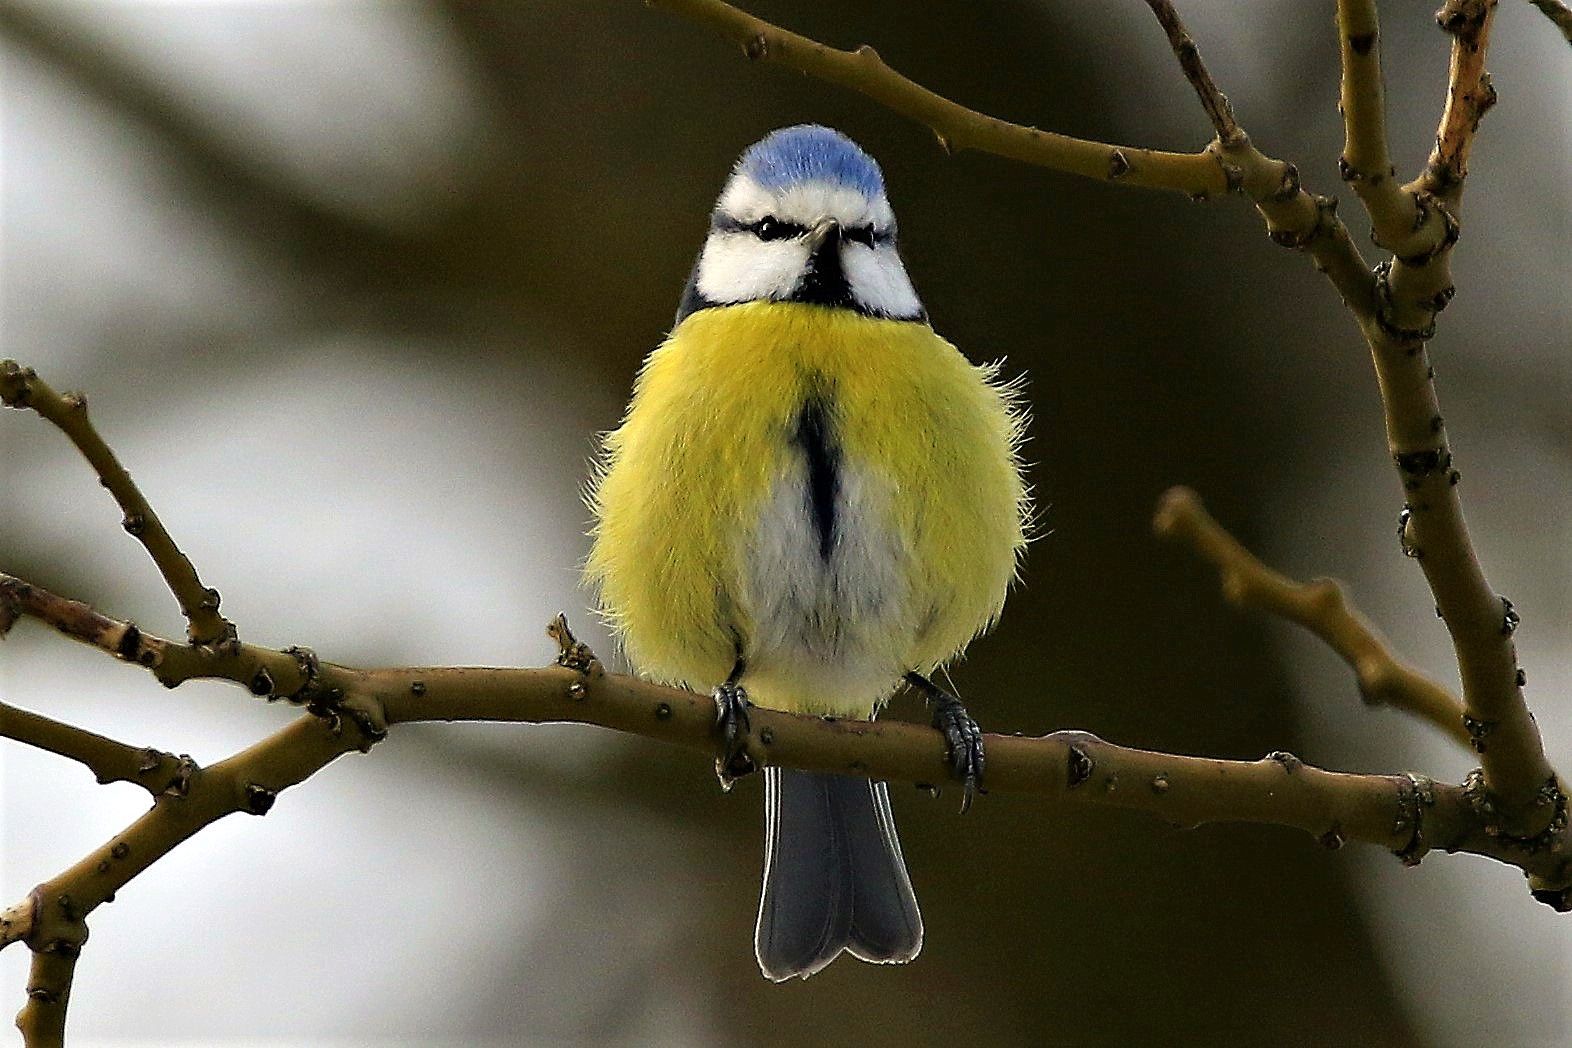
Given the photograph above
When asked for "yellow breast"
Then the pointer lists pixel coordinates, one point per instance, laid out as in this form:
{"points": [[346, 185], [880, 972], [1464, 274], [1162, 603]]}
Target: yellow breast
{"points": [[702, 508]]}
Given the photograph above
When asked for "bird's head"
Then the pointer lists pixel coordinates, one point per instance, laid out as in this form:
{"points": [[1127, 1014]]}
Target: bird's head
{"points": [[804, 218]]}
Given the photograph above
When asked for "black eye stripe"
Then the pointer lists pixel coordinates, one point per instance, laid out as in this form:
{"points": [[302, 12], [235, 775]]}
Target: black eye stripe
{"points": [[771, 228]]}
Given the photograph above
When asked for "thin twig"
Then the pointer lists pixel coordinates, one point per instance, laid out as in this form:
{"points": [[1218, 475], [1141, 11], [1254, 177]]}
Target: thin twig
{"points": [[1218, 111], [293, 674], [22, 388], [1319, 606], [1469, 96], [1558, 13], [1417, 284], [16, 923], [1366, 163], [956, 126], [108, 759], [1294, 218]]}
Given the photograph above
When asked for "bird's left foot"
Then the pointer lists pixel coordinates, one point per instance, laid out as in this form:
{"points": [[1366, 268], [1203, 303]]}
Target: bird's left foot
{"points": [[731, 722], [962, 737]]}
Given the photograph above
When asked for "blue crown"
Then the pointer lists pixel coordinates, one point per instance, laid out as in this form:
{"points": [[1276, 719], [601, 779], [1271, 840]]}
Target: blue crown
{"points": [[810, 152]]}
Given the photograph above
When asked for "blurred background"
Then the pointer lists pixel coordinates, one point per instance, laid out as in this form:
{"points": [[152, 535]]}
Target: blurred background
{"points": [[352, 286]]}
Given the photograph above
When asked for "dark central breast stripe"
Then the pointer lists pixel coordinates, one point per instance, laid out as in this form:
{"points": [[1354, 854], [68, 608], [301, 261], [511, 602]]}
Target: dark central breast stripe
{"points": [[816, 440]]}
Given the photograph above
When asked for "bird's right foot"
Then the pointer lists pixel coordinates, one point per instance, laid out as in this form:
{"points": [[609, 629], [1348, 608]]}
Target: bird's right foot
{"points": [[962, 737], [731, 722]]}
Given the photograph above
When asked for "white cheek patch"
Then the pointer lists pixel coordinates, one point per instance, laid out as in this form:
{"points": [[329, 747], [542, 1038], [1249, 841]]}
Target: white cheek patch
{"points": [[739, 267], [879, 282]]}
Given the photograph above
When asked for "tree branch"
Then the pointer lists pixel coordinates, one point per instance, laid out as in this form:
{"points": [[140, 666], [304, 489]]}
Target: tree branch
{"points": [[1558, 13], [22, 388], [1406, 814], [1469, 95], [1319, 606], [42, 1018], [1434, 532], [1366, 163], [108, 760], [1417, 283], [955, 126]]}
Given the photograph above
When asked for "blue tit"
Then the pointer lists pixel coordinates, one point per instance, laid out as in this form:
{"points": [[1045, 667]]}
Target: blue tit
{"points": [[812, 498]]}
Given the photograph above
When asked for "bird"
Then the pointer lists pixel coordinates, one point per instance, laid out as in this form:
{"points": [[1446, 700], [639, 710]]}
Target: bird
{"points": [[812, 500]]}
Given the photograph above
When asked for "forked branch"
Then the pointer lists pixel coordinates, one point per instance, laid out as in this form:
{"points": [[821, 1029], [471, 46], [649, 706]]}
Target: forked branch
{"points": [[22, 388]]}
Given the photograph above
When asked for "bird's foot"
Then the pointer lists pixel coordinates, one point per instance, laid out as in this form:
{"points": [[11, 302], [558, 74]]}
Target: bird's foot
{"points": [[962, 738], [731, 722]]}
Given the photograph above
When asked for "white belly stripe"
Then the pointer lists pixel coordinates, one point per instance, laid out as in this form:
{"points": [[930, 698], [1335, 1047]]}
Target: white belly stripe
{"points": [[832, 632]]}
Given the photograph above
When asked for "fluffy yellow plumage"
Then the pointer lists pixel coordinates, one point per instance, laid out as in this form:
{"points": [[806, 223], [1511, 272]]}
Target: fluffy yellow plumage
{"points": [[687, 504]]}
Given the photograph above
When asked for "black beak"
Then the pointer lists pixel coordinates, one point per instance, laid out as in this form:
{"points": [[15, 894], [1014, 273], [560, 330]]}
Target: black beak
{"points": [[824, 282]]}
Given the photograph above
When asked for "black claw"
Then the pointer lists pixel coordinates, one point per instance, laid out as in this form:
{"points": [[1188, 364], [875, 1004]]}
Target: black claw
{"points": [[731, 721], [962, 738]]}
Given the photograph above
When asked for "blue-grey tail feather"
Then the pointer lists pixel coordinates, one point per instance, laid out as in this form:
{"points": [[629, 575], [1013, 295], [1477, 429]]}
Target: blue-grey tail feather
{"points": [[834, 878]]}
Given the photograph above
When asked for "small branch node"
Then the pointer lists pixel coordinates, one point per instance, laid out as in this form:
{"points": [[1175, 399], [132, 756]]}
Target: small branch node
{"points": [[1478, 731], [1427, 204], [1080, 766], [571, 652], [1549, 803], [1405, 537], [1288, 761], [16, 384], [1288, 186], [1302, 238], [1460, 16], [259, 799], [1386, 307], [1417, 465], [1510, 620], [186, 770], [310, 668], [1415, 794]]}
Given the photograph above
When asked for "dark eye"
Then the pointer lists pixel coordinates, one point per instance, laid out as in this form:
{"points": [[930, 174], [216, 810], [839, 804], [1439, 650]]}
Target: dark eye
{"points": [[860, 235], [770, 228]]}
